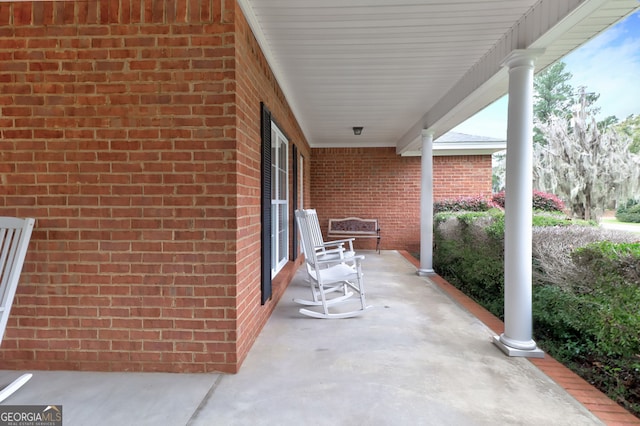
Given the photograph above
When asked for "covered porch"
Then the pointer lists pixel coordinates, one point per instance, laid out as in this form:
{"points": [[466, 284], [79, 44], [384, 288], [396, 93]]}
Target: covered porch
{"points": [[371, 74], [424, 356], [139, 137]]}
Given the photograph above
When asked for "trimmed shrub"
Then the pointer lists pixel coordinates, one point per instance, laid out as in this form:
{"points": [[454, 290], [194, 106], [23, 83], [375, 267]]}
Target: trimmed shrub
{"points": [[597, 318], [470, 252], [629, 212], [541, 201], [469, 204], [553, 258], [498, 199], [563, 322], [471, 257], [547, 202], [609, 260]]}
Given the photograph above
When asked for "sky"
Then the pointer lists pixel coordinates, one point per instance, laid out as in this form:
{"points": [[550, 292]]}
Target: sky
{"points": [[609, 64]]}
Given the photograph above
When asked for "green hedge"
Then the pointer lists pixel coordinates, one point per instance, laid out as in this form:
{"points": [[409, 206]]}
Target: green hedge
{"points": [[471, 261], [474, 259], [629, 212], [467, 204], [600, 320]]}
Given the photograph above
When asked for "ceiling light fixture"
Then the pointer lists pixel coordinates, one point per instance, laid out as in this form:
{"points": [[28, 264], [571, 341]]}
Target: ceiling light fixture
{"points": [[357, 131]]}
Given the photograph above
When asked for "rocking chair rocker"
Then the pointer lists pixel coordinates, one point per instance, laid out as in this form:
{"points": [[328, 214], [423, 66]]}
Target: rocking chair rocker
{"points": [[328, 276], [14, 239]]}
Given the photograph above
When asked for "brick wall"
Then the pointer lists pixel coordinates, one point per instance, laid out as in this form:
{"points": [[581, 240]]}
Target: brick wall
{"points": [[461, 176], [377, 183], [130, 131], [255, 84], [121, 134]]}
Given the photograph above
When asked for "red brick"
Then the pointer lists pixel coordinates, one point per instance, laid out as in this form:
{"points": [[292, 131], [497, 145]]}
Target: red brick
{"points": [[388, 197], [126, 165]]}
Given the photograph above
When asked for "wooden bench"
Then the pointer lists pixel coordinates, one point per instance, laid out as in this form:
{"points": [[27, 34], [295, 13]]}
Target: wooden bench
{"points": [[355, 227]]}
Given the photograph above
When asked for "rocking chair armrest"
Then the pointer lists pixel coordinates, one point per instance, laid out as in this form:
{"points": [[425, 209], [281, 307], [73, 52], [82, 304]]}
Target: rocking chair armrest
{"points": [[357, 258], [322, 250], [346, 240], [333, 248], [325, 246], [339, 243]]}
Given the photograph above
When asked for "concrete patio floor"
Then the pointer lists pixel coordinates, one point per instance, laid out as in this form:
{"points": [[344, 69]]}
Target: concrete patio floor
{"points": [[418, 358]]}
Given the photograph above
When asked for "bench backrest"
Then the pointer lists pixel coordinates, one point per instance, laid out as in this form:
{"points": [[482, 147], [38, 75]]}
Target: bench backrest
{"points": [[353, 226]]}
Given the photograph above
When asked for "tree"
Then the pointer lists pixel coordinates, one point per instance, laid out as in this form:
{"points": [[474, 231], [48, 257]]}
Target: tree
{"points": [[553, 93], [499, 163], [582, 164], [631, 128], [609, 121], [554, 97]]}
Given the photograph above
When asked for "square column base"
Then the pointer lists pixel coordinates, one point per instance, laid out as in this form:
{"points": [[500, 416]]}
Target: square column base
{"points": [[508, 350]]}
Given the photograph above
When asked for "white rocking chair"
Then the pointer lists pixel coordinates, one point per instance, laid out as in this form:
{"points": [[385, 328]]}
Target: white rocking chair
{"points": [[325, 251], [327, 276], [14, 240]]}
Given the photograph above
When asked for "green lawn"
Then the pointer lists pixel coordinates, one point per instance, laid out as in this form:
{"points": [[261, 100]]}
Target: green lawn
{"points": [[613, 223]]}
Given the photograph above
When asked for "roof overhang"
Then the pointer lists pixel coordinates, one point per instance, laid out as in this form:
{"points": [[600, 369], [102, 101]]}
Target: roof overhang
{"points": [[555, 32], [446, 149], [398, 69], [454, 144]]}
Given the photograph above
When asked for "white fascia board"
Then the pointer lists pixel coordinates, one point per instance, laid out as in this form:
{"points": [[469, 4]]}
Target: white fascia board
{"points": [[545, 23], [443, 149]]}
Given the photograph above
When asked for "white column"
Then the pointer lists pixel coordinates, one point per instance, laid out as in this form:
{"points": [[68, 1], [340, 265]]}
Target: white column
{"points": [[426, 205], [517, 337]]}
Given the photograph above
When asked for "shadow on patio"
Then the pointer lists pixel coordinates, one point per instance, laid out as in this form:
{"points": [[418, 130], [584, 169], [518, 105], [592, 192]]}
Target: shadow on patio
{"points": [[419, 358]]}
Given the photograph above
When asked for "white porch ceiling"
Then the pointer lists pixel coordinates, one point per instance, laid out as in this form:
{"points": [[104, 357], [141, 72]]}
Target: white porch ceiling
{"points": [[397, 67]]}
